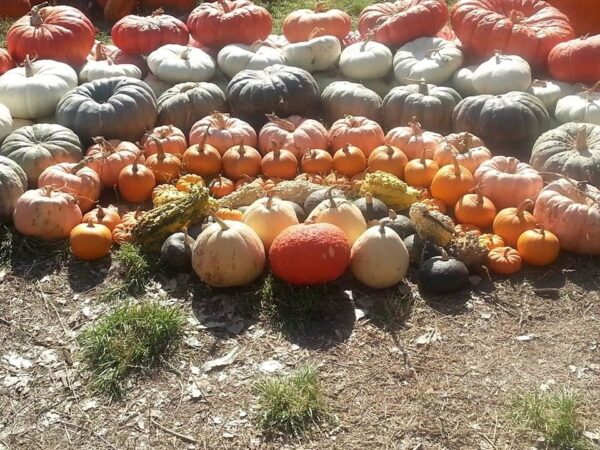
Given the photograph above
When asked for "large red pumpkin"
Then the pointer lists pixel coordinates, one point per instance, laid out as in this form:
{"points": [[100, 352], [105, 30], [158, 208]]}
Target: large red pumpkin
{"points": [[528, 28], [583, 14], [6, 61], [229, 21], [300, 25], [310, 254], [142, 35], [576, 61], [61, 33], [396, 23], [13, 9]]}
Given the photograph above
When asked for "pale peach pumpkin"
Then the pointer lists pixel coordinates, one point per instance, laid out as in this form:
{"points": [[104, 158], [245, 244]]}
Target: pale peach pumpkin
{"points": [[296, 134], [78, 179], [222, 132], [360, 132]]}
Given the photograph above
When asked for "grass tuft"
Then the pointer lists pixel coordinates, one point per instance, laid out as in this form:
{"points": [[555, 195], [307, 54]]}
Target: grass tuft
{"points": [[133, 271], [135, 338], [553, 415], [393, 308], [291, 404], [5, 25]]}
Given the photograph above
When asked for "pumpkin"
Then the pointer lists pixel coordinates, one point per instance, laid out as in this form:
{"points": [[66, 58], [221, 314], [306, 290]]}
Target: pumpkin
{"points": [[527, 28], [299, 25], [176, 251], [7, 123], [402, 225], [551, 91], [234, 58], [413, 140], [203, 160], [6, 61], [75, 178], [228, 253], [159, 87], [379, 259], [229, 214], [226, 22], [281, 90], [430, 59], [451, 182], [508, 123], [538, 247], [170, 138], [572, 150], [320, 195], [371, 208], [491, 241], [387, 159], [310, 254], [507, 182], [222, 132], [510, 223], [34, 90], [166, 167], [434, 204], [421, 171], [109, 53], [268, 217], [342, 98], [576, 61], [501, 74], [108, 217], [139, 35], [180, 64], [99, 108], [475, 209], [462, 81], [122, 233], [38, 147], [13, 183], [349, 160], [583, 15], [186, 183], [279, 164], [90, 241], [462, 229], [116, 9], [46, 214], [136, 183], [296, 134], [469, 151], [220, 186], [431, 105], [316, 161], [415, 246], [58, 33], [96, 70], [361, 132], [316, 54], [241, 160], [570, 211], [341, 213], [396, 23], [366, 60], [108, 158], [443, 275], [504, 260], [582, 107]]}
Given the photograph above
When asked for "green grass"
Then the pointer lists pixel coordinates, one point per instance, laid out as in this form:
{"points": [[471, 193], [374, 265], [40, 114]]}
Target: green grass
{"points": [[554, 415], [290, 404], [5, 24], [133, 339], [393, 308], [133, 272]]}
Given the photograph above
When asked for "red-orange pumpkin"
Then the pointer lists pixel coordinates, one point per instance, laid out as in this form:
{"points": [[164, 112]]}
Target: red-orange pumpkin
{"points": [[241, 160], [165, 166], [388, 158], [13, 9], [136, 183], [171, 138], [349, 161], [6, 61], [279, 164], [105, 216], [576, 61], [220, 187], [108, 158], [583, 14], [317, 161], [90, 241], [300, 24]]}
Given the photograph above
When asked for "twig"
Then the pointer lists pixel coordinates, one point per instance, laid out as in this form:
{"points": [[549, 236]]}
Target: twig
{"points": [[183, 437], [87, 430]]}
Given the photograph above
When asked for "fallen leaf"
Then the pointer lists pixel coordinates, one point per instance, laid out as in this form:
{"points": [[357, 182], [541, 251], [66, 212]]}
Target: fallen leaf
{"points": [[219, 363], [270, 366], [428, 338], [359, 313], [526, 337], [592, 435], [17, 361]]}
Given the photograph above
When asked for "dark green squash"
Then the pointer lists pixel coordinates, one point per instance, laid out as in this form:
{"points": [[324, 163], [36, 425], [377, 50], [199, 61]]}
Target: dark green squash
{"points": [[443, 275], [176, 252], [371, 208], [318, 196], [299, 210], [414, 245], [402, 225]]}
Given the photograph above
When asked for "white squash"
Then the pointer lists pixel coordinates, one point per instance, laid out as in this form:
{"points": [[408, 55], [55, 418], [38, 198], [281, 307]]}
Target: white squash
{"points": [[107, 68], [367, 60], [432, 58], [502, 74], [157, 85], [268, 217], [6, 122], [462, 81], [34, 90], [321, 53], [180, 64], [551, 91], [583, 107], [234, 58], [227, 254], [379, 258]]}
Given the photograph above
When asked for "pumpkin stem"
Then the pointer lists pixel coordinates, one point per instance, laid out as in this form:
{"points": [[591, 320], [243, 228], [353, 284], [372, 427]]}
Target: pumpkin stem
{"points": [[242, 149], [134, 167], [99, 52], [516, 16], [158, 12], [595, 88], [281, 123], [422, 159], [457, 171], [103, 144], [512, 165], [539, 83], [221, 222], [389, 150], [581, 143], [445, 256], [368, 39], [369, 200], [269, 204], [352, 122], [28, 66], [423, 88], [256, 45], [185, 54], [35, 18], [316, 32], [221, 119], [320, 7], [330, 198], [225, 5], [498, 56], [160, 150], [506, 251], [392, 214], [100, 214], [524, 206], [90, 223], [415, 125], [80, 165], [382, 228]]}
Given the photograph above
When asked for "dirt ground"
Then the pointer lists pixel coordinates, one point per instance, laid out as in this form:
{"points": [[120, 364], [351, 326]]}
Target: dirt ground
{"points": [[441, 380]]}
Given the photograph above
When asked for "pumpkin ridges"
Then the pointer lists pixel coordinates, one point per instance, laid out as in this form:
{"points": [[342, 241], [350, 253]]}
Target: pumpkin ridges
{"points": [[166, 167], [90, 241], [504, 260], [510, 223], [538, 246], [452, 182], [349, 160], [136, 182]]}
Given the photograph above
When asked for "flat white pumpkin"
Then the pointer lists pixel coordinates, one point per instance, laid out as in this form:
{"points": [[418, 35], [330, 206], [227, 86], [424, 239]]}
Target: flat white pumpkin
{"points": [[432, 58], [367, 60], [6, 122], [234, 58], [96, 70], [551, 91], [180, 64], [462, 81], [583, 107], [320, 53], [34, 90], [502, 74]]}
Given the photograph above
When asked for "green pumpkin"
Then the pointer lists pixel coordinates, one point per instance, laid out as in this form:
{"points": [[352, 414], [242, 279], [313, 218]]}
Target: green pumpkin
{"points": [[443, 275], [176, 252], [371, 208], [13, 183], [402, 225]]}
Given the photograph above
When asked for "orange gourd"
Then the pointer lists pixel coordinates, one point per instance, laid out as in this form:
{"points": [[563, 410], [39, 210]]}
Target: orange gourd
{"points": [[420, 172], [388, 158], [317, 161], [90, 241], [171, 138], [165, 166], [108, 217], [464, 228], [510, 223], [475, 209], [108, 158], [538, 247], [122, 233], [450, 183], [241, 160], [229, 214], [504, 260], [491, 241], [279, 163], [220, 187], [186, 182], [366, 134], [136, 183], [349, 160]]}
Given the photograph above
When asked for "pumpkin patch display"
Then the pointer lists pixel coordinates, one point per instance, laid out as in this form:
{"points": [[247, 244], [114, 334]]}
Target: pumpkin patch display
{"points": [[296, 134], [387, 158], [583, 107], [343, 98], [279, 164], [576, 61], [268, 217], [349, 161], [240, 161], [75, 178], [234, 58], [108, 217], [13, 183], [510, 223], [443, 275], [538, 247], [90, 241], [299, 25], [316, 161], [316, 54], [222, 132], [180, 64], [451, 182]]}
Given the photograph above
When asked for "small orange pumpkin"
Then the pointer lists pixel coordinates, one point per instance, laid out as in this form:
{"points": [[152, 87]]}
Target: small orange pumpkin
{"points": [[464, 228], [420, 172], [186, 182], [538, 247], [229, 214], [470, 150], [450, 183], [510, 223], [122, 233], [171, 139], [202, 159], [475, 209], [108, 158], [341, 182], [491, 241], [388, 158], [165, 166], [136, 183], [504, 260], [317, 161], [90, 241], [104, 216], [349, 160], [241, 160], [220, 187], [279, 163]]}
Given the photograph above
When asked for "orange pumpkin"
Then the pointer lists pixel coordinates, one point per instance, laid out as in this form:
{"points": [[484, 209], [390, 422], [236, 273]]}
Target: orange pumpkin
{"points": [[317, 161], [341, 182], [296, 134], [220, 187], [186, 182], [504, 260], [122, 233], [229, 214], [165, 166], [450, 183], [108, 217], [584, 15], [300, 24], [202, 159], [366, 134], [171, 138], [311, 177], [241, 160], [538, 247], [464, 228], [136, 183], [279, 163], [90, 241], [433, 204], [510, 223], [420, 172], [108, 158], [470, 151], [388, 159], [222, 132], [414, 141], [349, 160], [491, 241], [475, 209]]}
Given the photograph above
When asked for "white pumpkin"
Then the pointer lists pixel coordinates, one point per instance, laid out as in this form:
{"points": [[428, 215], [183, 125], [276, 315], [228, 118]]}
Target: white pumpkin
{"points": [[342, 213], [432, 58], [268, 217], [321, 53], [157, 85], [379, 258], [6, 122], [228, 253], [583, 107], [502, 74], [34, 90], [367, 60], [462, 81], [234, 58], [180, 64], [96, 70], [551, 91]]}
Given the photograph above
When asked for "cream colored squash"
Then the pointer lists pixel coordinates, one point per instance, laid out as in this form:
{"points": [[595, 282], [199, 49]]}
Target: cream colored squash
{"points": [[551, 91], [367, 60], [462, 81], [379, 258], [34, 90], [583, 107], [321, 53], [501, 74], [234, 58], [6, 122], [228, 253], [95, 70], [179, 64], [268, 217]]}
